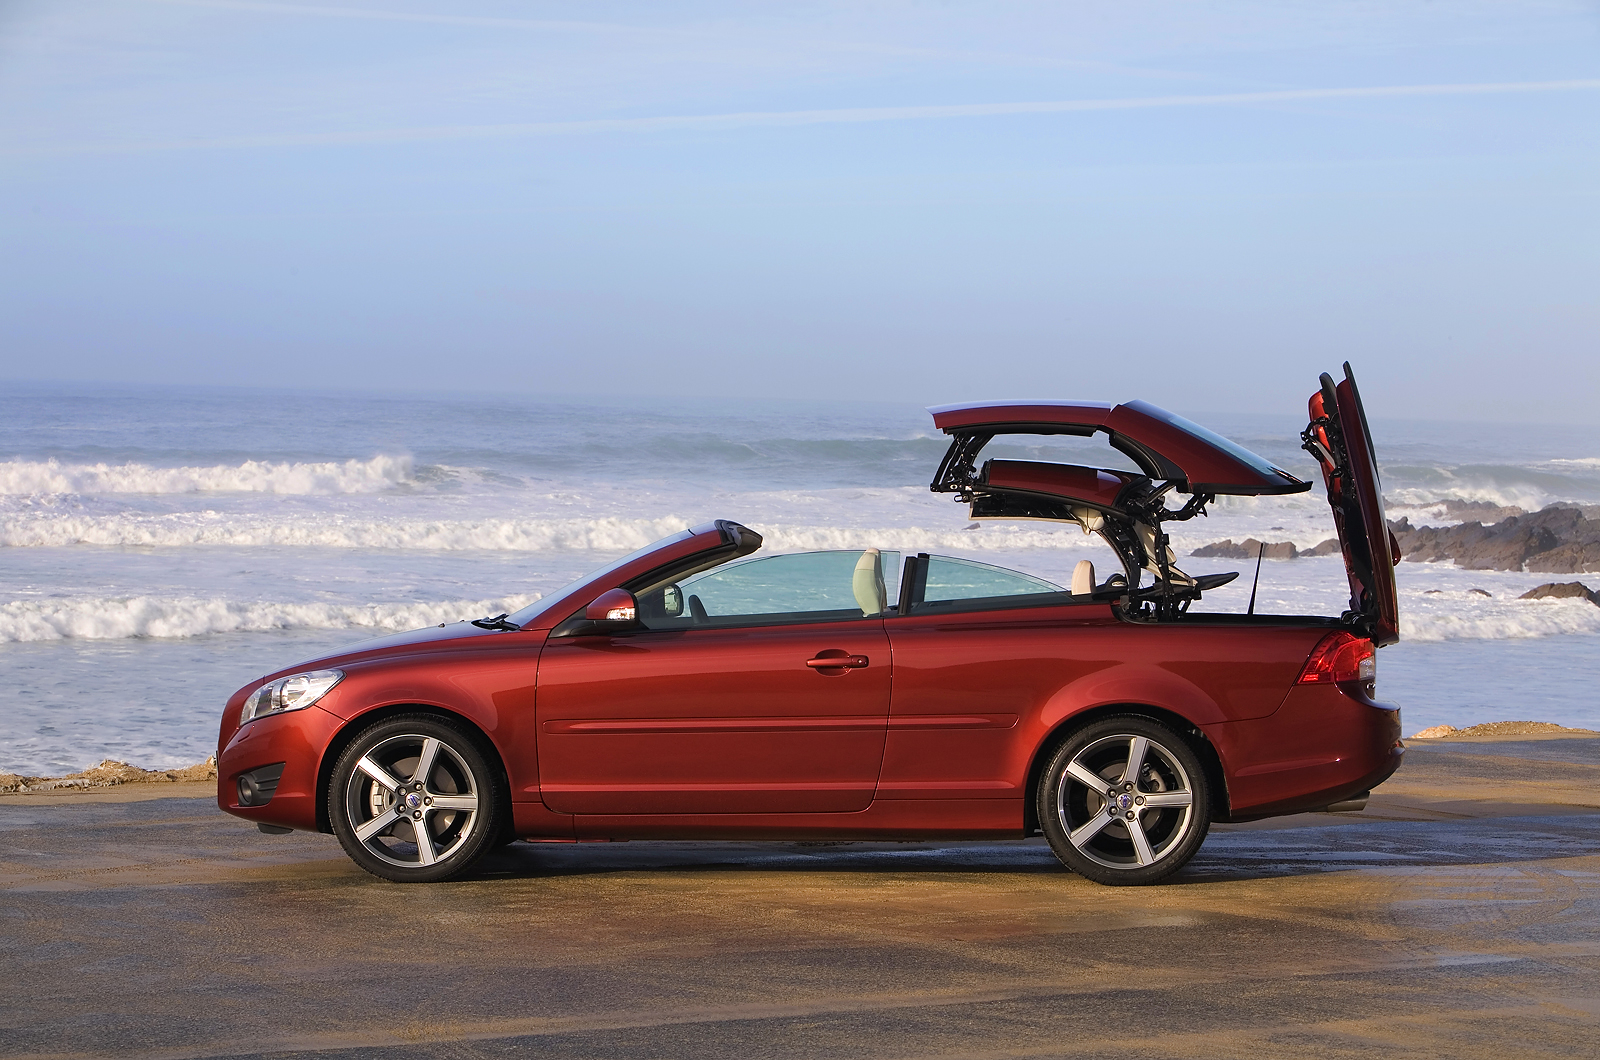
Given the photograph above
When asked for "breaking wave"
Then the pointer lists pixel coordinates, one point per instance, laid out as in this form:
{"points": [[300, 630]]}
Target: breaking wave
{"points": [[172, 617], [1511, 620], [178, 530], [611, 534], [121, 618], [1528, 487], [32, 477]]}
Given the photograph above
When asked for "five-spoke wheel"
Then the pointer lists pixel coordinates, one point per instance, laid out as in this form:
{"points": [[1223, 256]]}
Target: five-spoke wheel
{"points": [[1124, 800], [414, 799]]}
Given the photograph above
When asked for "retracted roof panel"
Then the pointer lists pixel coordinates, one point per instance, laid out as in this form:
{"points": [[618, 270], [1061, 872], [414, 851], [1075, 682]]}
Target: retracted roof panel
{"points": [[1164, 445]]}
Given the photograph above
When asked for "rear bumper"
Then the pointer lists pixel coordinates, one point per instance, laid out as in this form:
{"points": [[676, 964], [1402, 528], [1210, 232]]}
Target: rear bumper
{"points": [[1324, 744], [296, 739]]}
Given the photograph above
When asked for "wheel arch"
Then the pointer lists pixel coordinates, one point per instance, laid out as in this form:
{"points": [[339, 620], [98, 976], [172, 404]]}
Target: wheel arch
{"points": [[355, 725], [1186, 729]]}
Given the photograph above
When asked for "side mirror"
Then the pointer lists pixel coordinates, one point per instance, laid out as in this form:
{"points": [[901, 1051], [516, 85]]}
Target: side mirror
{"points": [[614, 607]]}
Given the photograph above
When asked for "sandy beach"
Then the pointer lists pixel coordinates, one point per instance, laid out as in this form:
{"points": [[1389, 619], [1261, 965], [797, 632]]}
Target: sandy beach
{"points": [[1456, 915]]}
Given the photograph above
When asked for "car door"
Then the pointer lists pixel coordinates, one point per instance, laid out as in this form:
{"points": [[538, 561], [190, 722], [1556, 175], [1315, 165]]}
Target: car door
{"points": [[978, 651], [759, 687]]}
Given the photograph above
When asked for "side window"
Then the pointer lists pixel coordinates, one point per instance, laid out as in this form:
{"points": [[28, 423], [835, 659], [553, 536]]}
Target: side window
{"points": [[776, 590], [961, 584]]}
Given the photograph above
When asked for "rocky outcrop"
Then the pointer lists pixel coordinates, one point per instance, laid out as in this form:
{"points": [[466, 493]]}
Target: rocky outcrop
{"points": [[1555, 540], [1562, 591], [109, 774], [1247, 549], [1497, 728]]}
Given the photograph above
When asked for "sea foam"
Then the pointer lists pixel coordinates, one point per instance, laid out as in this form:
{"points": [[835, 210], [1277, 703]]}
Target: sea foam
{"points": [[31, 477], [121, 618], [1498, 620], [43, 528]]}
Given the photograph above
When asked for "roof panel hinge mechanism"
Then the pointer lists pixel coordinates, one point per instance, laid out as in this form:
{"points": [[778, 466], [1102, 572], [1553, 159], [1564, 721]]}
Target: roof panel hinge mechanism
{"points": [[958, 471], [1322, 438]]}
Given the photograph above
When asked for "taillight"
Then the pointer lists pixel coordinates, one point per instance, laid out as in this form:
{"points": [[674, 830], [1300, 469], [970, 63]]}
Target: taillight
{"points": [[1341, 656]]}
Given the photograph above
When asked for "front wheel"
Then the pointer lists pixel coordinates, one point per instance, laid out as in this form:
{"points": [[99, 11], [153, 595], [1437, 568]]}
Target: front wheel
{"points": [[413, 799], [1124, 801]]}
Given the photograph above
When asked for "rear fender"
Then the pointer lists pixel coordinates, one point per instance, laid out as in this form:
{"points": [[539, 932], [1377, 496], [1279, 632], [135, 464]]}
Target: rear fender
{"points": [[1147, 691], [1133, 683], [1196, 738]]}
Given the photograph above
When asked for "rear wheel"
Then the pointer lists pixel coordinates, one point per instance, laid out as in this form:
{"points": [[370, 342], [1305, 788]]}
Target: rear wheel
{"points": [[414, 799], [1124, 800]]}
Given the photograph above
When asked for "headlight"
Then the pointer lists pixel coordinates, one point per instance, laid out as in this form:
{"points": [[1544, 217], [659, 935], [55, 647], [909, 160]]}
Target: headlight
{"points": [[289, 693]]}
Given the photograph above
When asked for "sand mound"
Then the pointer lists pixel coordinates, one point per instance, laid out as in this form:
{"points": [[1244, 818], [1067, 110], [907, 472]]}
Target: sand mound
{"points": [[1495, 728], [108, 774]]}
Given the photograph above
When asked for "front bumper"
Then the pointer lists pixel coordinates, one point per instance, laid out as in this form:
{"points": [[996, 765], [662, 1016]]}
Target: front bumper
{"points": [[297, 739]]}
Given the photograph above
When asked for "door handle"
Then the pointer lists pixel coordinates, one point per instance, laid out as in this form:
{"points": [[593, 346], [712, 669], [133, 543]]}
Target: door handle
{"points": [[838, 662]]}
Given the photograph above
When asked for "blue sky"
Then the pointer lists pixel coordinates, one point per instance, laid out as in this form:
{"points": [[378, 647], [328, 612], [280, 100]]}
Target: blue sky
{"points": [[1201, 204]]}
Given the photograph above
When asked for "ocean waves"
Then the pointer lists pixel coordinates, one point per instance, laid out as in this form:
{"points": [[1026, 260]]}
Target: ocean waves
{"points": [[48, 529], [1529, 487], [332, 530], [124, 618], [1512, 619], [176, 617], [50, 477]]}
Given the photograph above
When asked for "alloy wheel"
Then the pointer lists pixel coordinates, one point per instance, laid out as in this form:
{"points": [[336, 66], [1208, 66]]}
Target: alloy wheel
{"points": [[1124, 801], [413, 800]]}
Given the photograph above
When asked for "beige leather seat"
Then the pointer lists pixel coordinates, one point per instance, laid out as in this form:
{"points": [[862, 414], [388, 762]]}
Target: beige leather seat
{"points": [[1083, 578], [867, 584]]}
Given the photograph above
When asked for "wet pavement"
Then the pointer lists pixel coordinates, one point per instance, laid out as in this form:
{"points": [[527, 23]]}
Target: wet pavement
{"points": [[1458, 916]]}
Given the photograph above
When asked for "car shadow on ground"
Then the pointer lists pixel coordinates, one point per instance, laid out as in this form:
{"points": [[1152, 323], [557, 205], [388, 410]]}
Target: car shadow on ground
{"points": [[579, 859], [1226, 856]]}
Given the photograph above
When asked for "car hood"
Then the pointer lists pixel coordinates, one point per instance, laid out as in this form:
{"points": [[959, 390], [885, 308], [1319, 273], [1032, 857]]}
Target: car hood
{"points": [[719, 536], [427, 638]]}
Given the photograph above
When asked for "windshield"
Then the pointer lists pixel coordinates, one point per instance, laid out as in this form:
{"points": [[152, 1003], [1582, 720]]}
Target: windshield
{"points": [[798, 581], [527, 614]]}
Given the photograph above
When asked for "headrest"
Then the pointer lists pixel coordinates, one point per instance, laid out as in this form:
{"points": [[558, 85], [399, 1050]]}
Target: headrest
{"points": [[867, 583], [1083, 578]]}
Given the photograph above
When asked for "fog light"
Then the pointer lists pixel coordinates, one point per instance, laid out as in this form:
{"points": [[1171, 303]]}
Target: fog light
{"points": [[257, 787]]}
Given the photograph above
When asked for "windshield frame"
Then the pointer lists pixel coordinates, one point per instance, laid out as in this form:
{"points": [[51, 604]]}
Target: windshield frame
{"points": [[720, 535]]}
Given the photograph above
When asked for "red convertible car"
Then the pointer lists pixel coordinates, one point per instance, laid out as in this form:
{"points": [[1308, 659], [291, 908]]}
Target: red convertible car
{"points": [[699, 690]]}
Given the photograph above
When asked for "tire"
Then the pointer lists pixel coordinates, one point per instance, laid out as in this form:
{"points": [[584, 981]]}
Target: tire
{"points": [[1121, 829], [381, 793]]}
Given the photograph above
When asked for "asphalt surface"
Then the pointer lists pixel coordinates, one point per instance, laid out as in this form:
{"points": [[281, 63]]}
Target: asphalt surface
{"points": [[1458, 916]]}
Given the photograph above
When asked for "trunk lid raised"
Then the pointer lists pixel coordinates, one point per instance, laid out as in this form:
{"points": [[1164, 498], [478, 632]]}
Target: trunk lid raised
{"points": [[1338, 436]]}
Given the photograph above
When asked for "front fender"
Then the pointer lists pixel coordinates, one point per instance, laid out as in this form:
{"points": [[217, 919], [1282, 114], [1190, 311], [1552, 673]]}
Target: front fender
{"points": [[494, 691]]}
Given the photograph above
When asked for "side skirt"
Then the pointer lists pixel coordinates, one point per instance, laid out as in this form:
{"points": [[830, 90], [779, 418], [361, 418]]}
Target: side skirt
{"points": [[905, 819]]}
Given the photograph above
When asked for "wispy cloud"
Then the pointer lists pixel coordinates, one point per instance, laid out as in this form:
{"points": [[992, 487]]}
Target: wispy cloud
{"points": [[899, 48], [375, 15], [787, 118]]}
